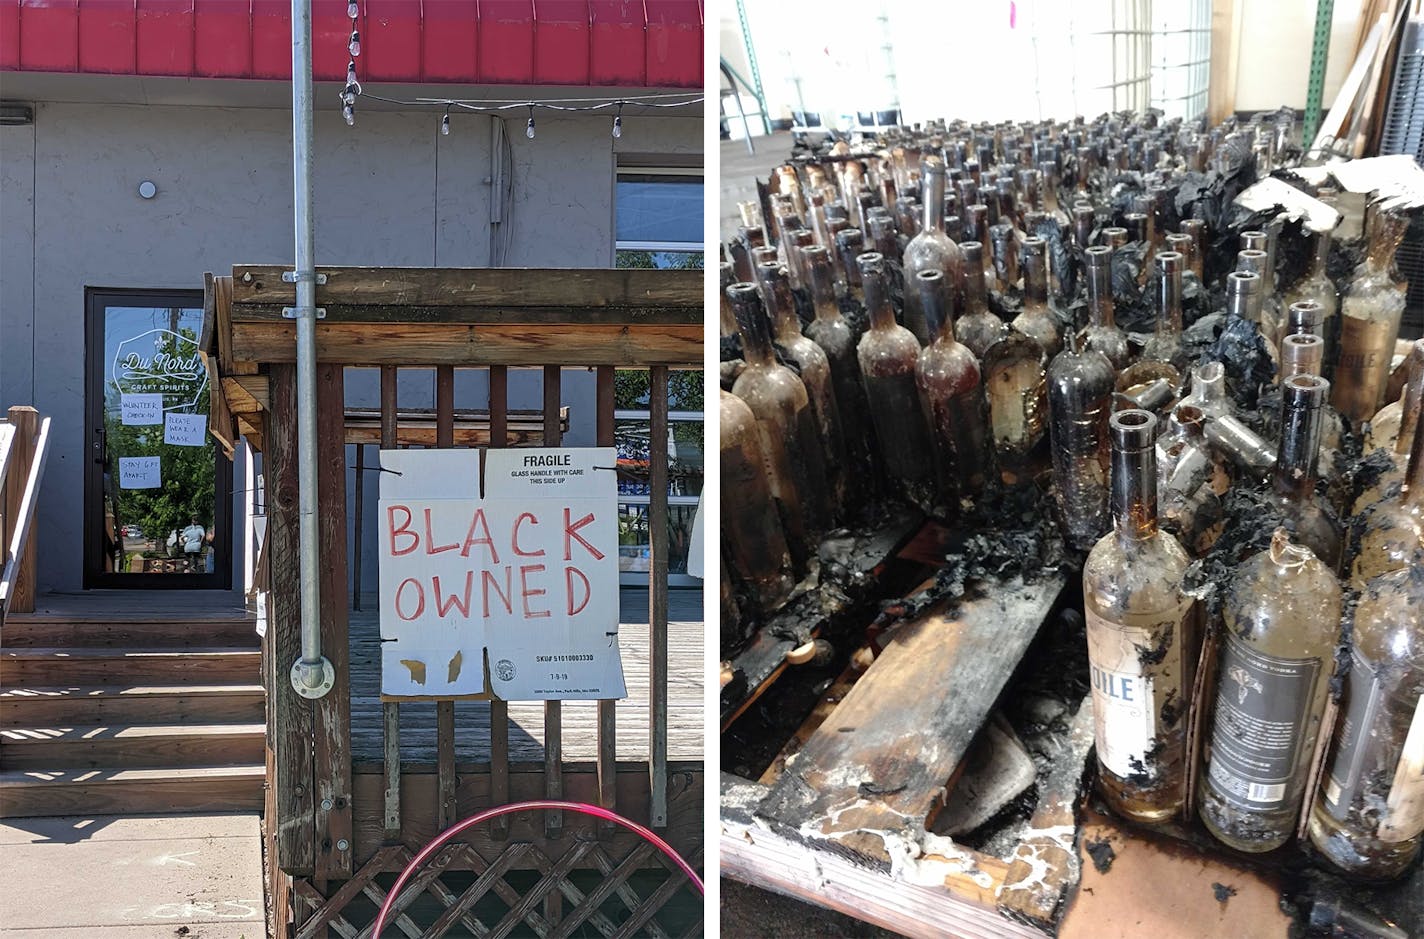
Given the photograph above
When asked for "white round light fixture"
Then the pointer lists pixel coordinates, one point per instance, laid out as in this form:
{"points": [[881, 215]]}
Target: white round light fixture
{"points": [[147, 189]]}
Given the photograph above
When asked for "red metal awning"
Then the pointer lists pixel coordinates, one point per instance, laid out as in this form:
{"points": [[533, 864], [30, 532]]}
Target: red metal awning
{"points": [[611, 43]]}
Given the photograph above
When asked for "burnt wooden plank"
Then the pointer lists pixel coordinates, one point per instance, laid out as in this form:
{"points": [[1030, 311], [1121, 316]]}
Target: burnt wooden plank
{"points": [[403, 343], [390, 710], [771, 856], [445, 710], [885, 756], [490, 295], [757, 666], [293, 717], [1044, 868], [607, 710], [658, 538], [332, 737], [499, 710], [553, 710]]}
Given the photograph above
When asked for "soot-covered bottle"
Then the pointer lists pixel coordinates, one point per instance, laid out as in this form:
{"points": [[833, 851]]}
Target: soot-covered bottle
{"points": [[1080, 388], [787, 425], [1037, 320], [1368, 819], [930, 250], [978, 327], [1293, 478], [1103, 334], [1370, 313], [952, 392], [831, 331], [1142, 634], [751, 529], [1282, 622], [888, 354]]}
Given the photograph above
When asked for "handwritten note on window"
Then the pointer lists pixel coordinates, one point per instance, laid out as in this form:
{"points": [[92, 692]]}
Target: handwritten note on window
{"points": [[185, 430], [141, 410], [140, 472]]}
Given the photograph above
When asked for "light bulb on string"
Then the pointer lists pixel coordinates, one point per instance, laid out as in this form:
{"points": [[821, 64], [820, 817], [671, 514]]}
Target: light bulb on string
{"points": [[348, 112], [618, 121], [351, 72], [353, 10], [445, 124], [348, 95], [529, 127], [355, 46]]}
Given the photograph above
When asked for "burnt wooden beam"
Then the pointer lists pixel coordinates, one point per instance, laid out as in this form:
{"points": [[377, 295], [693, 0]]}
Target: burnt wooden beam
{"points": [[399, 343], [757, 666], [1045, 866], [883, 760], [489, 296], [779, 858]]}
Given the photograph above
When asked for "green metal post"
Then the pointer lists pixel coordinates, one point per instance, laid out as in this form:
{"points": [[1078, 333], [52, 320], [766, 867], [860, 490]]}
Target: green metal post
{"points": [[1315, 89]]}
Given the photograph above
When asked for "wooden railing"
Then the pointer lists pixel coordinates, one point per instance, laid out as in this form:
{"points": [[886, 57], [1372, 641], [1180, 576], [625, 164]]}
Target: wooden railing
{"points": [[24, 445], [330, 817]]}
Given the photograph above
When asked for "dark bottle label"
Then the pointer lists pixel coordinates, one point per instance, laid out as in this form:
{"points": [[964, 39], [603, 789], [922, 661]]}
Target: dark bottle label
{"points": [[1262, 708], [1362, 700]]}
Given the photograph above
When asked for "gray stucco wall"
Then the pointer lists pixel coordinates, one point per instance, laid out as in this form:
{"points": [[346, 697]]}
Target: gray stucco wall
{"points": [[389, 191]]}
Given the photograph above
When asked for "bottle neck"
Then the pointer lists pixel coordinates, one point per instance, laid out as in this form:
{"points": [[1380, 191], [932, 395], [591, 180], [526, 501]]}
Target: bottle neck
{"points": [[1320, 256], [1302, 398], [753, 324], [823, 287], [1169, 298], [1134, 492], [1035, 274], [975, 294], [1100, 298], [877, 299], [934, 301], [934, 200]]}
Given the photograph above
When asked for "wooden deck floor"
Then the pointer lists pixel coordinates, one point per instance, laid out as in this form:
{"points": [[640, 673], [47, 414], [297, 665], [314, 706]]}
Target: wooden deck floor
{"points": [[526, 732]]}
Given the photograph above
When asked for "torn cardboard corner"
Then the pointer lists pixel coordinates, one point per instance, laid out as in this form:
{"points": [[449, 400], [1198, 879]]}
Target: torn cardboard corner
{"points": [[1395, 179], [512, 592]]}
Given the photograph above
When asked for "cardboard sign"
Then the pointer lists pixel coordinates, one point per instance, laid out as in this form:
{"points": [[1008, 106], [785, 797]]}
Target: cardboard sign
{"points": [[185, 430], [141, 410], [515, 593], [140, 472]]}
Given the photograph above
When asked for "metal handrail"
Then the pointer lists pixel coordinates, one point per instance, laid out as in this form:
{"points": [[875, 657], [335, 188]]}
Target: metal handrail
{"points": [[20, 526]]}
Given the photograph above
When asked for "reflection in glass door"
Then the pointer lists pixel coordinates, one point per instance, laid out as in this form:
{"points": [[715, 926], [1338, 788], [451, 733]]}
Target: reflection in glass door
{"points": [[157, 489]]}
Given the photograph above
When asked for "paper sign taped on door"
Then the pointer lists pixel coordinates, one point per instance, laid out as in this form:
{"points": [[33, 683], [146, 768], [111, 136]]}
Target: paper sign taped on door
{"points": [[515, 592]]}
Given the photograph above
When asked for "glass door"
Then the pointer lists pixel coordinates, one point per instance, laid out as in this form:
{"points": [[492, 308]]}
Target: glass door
{"points": [[158, 491]]}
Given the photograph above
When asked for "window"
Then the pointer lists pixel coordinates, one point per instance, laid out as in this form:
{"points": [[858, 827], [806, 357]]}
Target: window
{"points": [[659, 218]]}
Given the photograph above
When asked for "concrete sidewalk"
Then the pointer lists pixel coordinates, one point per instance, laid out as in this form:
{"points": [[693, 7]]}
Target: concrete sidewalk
{"points": [[190, 876]]}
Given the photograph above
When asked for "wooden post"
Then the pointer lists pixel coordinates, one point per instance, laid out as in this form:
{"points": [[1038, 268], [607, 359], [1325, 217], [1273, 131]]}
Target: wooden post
{"points": [[359, 497], [26, 421], [657, 593], [390, 710], [447, 812], [292, 723], [553, 710], [1225, 53], [499, 710], [607, 710], [334, 835]]}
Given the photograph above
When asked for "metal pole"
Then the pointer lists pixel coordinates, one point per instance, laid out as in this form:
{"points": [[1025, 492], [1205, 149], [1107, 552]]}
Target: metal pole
{"points": [[312, 674]]}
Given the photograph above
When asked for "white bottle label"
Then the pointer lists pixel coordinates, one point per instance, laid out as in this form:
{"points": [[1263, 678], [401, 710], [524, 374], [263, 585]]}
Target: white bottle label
{"points": [[1404, 809], [1124, 713]]}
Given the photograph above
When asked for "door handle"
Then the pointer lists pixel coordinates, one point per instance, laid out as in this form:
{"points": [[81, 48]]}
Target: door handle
{"points": [[100, 445]]}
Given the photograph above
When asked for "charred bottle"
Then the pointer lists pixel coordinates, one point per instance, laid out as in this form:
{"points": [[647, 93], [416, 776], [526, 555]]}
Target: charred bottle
{"points": [[1103, 334], [1191, 479], [888, 354], [1016, 390], [786, 424], [952, 392], [1166, 343], [1037, 320], [1391, 532], [1141, 635], [930, 250], [1370, 312], [837, 340], [1306, 515], [815, 369], [1369, 817], [1282, 622], [755, 548], [1392, 431], [978, 328], [1317, 286], [1273, 311], [1080, 388]]}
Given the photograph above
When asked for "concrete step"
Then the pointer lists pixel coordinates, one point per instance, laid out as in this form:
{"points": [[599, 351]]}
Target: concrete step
{"points": [[28, 793], [21, 668], [142, 745], [64, 705], [55, 631]]}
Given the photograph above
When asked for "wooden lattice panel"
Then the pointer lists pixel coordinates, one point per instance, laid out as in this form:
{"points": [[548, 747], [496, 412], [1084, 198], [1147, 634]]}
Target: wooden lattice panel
{"points": [[461, 893]]}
